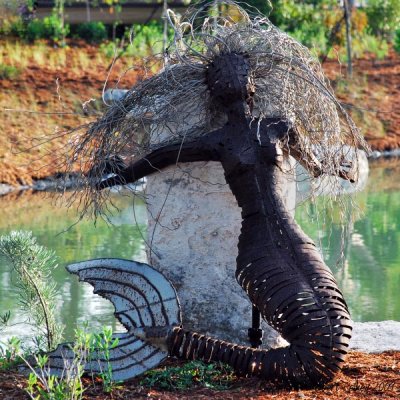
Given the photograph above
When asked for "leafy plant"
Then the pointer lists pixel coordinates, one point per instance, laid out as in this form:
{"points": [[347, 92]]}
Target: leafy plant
{"points": [[5, 319], [397, 41], [9, 72], [86, 347], [310, 22], [383, 17], [41, 385], [32, 265], [100, 347], [9, 353], [92, 32], [371, 44], [216, 376], [141, 41]]}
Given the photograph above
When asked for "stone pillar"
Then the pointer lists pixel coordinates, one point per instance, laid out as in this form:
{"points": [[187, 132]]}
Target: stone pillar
{"points": [[193, 228]]}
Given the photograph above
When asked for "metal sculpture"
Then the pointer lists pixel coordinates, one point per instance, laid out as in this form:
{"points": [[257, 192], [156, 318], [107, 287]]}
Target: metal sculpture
{"points": [[278, 266], [143, 299]]}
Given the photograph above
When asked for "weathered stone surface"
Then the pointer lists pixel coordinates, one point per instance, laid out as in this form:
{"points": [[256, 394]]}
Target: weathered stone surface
{"points": [[5, 189], [193, 230], [376, 337], [113, 95]]}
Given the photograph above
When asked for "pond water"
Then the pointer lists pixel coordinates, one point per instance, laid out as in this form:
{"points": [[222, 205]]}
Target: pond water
{"points": [[55, 226], [363, 251], [361, 243]]}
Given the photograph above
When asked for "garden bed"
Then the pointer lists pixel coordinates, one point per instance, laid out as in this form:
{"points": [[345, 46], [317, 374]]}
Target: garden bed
{"points": [[375, 376], [43, 97]]}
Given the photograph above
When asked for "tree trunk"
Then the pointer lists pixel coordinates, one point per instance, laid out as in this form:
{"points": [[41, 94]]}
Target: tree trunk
{"points": [[347, 17]]}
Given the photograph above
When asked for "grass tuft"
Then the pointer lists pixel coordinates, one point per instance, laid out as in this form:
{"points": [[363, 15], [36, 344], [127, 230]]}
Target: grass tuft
{"points": [[215, 376], [9, 72]]}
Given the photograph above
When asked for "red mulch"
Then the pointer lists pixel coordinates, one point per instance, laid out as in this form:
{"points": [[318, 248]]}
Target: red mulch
{"points": [[364, 376], [15, 168], [380, 76]]}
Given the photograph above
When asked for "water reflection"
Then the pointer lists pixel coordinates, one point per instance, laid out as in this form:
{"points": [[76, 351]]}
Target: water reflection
{"points": [[368, 235], [369, 272], [55, 227]]}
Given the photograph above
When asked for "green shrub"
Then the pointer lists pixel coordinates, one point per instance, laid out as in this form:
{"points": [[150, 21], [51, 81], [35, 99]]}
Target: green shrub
{"points": [[47, 28], [9, 72], [313, 36], [34, 30], [309, 22], [370, 44], [383, 17], [147, 40], [55, 29], [6, 25], [315, 24], [397, 41], [92, 32], [17, 27]]}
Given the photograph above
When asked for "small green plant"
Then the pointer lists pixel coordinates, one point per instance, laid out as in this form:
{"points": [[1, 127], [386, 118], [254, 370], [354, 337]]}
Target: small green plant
{"points": [[5, 319], [92, 32], [216, 376], [41, 385], [101, 344], [32, 265], [86, 347], [9, 353], [9, 72]]}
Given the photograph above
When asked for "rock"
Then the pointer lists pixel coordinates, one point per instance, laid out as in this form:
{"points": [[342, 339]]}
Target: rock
{"points": [[385, 154], [193, 230], [376, 337], [5, 189], [114, 95]]}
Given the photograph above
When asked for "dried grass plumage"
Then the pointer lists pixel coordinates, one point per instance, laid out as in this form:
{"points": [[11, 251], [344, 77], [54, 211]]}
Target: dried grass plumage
{"points": [[175, 104]]}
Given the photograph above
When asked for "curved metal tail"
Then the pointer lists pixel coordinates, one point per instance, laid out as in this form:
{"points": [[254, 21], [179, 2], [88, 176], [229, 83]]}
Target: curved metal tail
{"points": [[147, 305], [306, 308], [144, 301]]}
